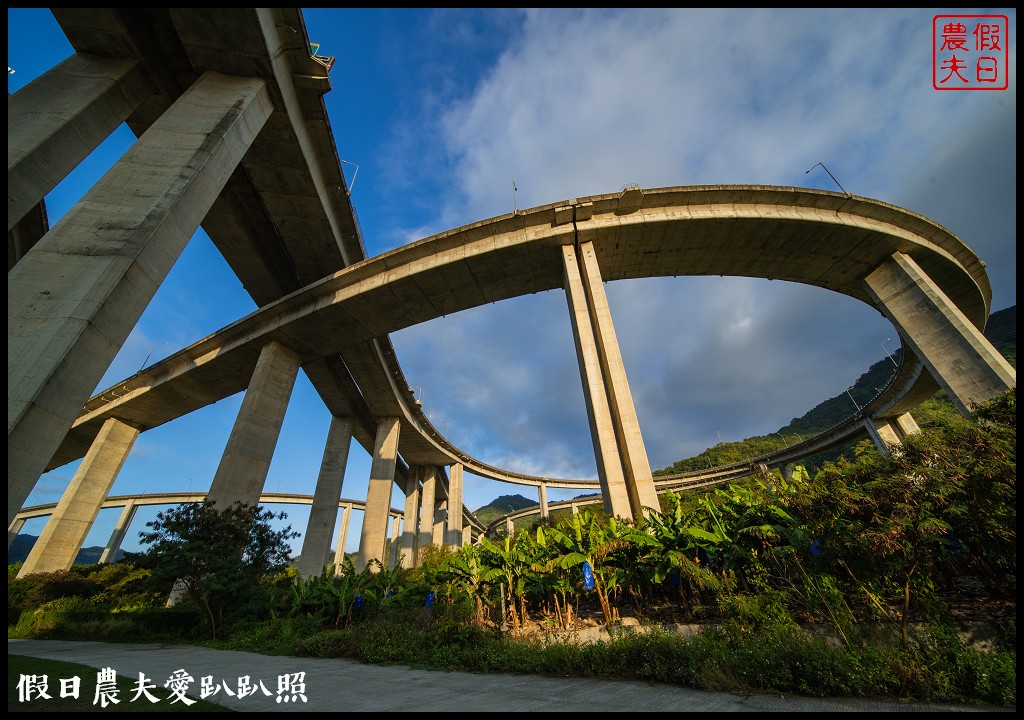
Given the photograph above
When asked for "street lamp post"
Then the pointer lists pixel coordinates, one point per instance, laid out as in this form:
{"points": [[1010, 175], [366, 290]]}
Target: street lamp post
{"points": [[831, 176], [889, 353], [852, 400]]}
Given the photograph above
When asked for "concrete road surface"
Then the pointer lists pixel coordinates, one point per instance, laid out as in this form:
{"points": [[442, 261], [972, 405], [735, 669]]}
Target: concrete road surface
{"points": [[287, 684]]}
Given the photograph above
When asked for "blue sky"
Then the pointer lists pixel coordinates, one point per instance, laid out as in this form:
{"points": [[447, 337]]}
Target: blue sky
{"points": [[442, 111]]}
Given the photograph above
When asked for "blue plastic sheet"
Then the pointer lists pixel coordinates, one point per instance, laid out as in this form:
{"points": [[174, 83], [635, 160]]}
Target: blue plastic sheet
{"points": [[588, 576]]}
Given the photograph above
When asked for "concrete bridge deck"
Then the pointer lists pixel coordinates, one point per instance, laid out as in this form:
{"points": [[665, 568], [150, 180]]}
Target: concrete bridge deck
{"points": [[719, 230]]}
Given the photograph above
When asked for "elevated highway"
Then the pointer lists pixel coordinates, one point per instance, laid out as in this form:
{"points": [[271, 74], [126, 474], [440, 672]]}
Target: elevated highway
{"points": [[234, 135], [718, 230]]}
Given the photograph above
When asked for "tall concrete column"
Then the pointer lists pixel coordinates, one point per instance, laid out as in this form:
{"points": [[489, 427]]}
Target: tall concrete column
{"points": [[396, 523], [12, 531], [66, 530], [510, 527], [956, 353], [54, 122], [542, 491], [120, 530], [637, 469], [440, 516], [410, 522], [467, 535], [73, 300], [426, 524], [455, 506], [626, 482], [243, 468], [378, 494], [323, 515], [339, 550], [602, 430]]}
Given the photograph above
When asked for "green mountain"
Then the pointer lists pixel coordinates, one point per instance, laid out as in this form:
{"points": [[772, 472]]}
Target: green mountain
{"points": [[22, 545], [503, 506], [1001, 331]]}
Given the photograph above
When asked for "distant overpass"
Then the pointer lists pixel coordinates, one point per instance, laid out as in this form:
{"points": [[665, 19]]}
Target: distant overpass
{"points": [[131, 503]]}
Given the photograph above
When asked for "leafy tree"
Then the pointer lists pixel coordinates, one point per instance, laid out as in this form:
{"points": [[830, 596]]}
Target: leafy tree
{"points": [[217, 558]]}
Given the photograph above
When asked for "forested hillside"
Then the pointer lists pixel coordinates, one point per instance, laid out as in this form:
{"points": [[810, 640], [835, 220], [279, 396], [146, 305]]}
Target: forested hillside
{"points": [[1001, 331]]}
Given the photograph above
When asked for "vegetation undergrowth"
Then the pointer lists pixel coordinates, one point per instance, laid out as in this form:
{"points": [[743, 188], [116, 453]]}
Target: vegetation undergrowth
{"points": [[885, 558]]}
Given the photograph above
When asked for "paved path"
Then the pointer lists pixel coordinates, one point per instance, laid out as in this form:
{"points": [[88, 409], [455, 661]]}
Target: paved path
{"points": [[349, 686]]}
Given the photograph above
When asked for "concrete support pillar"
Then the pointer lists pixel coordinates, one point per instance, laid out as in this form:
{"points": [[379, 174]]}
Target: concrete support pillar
{"points": [[26, 233], [396, 524], [602, 431], [882, 434], [437, 534], [378, 494], [426, 524], [120, 531], [467, 535], [323, 515], [243, 467], [339, 550], [639, 480], [956, 353], [73, 300], [66, 530], [626, 480], [55, 121], [907, 425], [410, 518], [887, 433], [542, 491], [12, 531], [455, 506], [510, 527], [575, 509]]}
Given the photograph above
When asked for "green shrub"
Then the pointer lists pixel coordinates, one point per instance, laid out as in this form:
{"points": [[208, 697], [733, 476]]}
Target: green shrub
{"points": [[767, 609], [326, 644], [13, 613], [40, 588]]}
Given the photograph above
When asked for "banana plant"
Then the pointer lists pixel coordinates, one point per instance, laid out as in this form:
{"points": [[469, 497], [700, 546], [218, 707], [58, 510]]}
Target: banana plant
{"points": [[583, 540], [327, 597], [468, 571], [512, 560], [672, 542]]}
